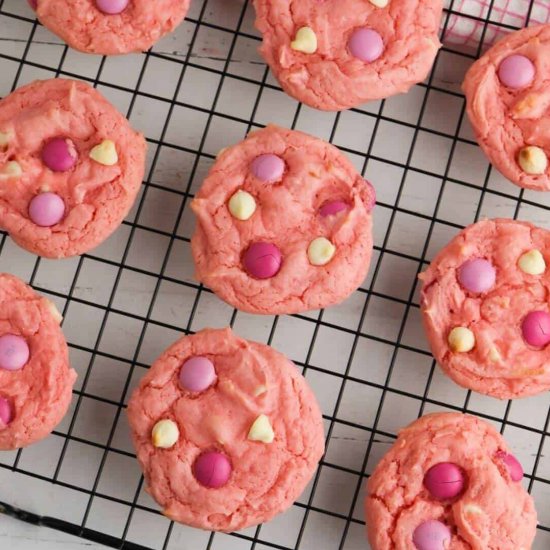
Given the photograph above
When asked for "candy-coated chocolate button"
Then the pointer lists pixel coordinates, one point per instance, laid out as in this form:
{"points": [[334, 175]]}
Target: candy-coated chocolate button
{"points": [[533, 160], [444, 481], [14, 352], [261, 430], [262, 260], [112, 7], [6, 413], [332, 208], [320, 251], [242, 205], [512, 464], [105, 153], [536, 328], [477, 275], [432, 535], [532, 263], [305, 41], [59, 154], [268, 168], [197, 374], [366, 44], [165, 434], [461, 340], [12, 169], [46, 209], [212, 469], [516, 71]]}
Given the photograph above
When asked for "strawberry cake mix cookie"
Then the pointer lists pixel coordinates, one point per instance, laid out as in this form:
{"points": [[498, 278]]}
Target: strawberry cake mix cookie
{"points": [[227, 431], [449, 483], [336, 54], [485, 308], [70, 167], [284, 224], [110, 27], [508, 102], [35, 378]]}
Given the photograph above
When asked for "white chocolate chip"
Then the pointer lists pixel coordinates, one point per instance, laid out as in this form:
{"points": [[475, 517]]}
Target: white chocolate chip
{"points": [[533, 160], [473, 509], [165, 434], [5, 138], [260, 390], [532, 263], [54, 311], [10, 170], [320, 251], [461, 340], [242, 205], [379, 3], [494, 355], [105, 153], [261, 430], [305, 41]]}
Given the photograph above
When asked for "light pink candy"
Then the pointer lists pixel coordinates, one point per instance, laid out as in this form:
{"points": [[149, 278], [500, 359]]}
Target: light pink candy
{"points": [[366, 44], [112, 7], [197, 374], [14, 352], [212, 470], [46, 209], [6, 412], [477, 275], [432, 535], [512, 464], [262, 260], [516, 71], [268, 168], [536, 328], [444, 481]]}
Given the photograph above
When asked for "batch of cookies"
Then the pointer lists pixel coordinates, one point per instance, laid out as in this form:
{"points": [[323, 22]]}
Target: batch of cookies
{"points": [[226, 430]]}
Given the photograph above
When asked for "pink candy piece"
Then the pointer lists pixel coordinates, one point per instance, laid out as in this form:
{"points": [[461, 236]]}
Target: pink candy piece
{"points": [[332, 208], [536, 328], [46, 209], [262, 260], [197, 374], [59, 154], [212, 469], [444, 481], [512, 464], [111, 7], [516, 71], [432, 535], [477, 275], [14, 352], [6, 413], [366, 44], [268, 168]]}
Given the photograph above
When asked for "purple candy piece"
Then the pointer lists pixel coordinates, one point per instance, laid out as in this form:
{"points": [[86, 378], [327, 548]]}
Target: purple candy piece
{"points": [[512, 464], [212, 469], [262, 260], [536, 328], [516, 71], [432, 535], [6, 413], [332, 208], [46, 209], [268, 168], [477, 275], [197, 374], [59, 154], [366, 44], [444, 481], [14, 352], [111, 7]]}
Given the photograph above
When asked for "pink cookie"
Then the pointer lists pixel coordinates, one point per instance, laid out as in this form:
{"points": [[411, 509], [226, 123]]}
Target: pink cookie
{"points": [[508, 102], [70, 167], [35, 378], [284, 224], [336, 54], [111, 27], [227, 431], [485, 308], [490, 510]]}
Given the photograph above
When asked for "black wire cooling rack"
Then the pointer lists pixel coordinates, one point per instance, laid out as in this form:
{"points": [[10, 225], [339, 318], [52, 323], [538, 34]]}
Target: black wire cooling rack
{"points": [[195, 92]]}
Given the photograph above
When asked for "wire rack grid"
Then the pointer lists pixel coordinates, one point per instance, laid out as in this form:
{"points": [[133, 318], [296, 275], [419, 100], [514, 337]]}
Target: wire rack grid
{"points": [[197, 91]]}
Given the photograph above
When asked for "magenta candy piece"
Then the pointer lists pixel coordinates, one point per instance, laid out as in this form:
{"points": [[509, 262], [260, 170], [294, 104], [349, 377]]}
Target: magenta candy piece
{"points": [[536, 328], [212, 469], [366, 44], [512, 464], [46, 209], [268, 168], [111, 7], [516, 71], [262, 260], [6, 413], [444, 481], [332, 208], [59, 154], [477, 275], [14, 352], [432, 535], [197, 374]]}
